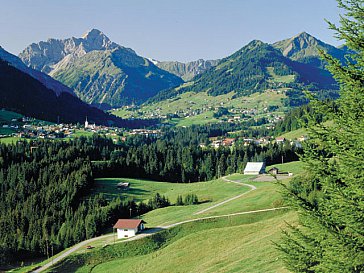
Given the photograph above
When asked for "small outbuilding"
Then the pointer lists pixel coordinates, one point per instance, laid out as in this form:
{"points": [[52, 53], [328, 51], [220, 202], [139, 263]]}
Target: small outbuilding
{"points": [[123, 185], [128, 227], [273, 171], [254, 168]]}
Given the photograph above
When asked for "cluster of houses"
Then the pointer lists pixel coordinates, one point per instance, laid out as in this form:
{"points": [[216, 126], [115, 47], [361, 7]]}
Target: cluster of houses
{"points": [[228, 142], [30, 128], [146, 132], [47, 131]]}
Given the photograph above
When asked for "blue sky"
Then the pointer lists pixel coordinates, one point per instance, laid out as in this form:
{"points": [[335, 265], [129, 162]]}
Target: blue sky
{"points": [[182, 30]]}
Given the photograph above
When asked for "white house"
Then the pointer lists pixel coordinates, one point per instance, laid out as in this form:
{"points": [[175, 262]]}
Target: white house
{"points": [[128, 227], [254, 168]]}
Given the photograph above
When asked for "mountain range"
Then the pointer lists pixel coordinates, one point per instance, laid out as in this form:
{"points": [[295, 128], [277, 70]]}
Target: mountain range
{"points": [[303, 48], [259, 66], [99, 71], [108, 75]]}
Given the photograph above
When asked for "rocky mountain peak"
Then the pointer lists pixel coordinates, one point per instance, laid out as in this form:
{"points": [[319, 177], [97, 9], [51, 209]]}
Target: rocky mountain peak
{"points": [[45, 55], [304, 47], [300, 42], [92, 33], [305, 39], [94, 39], [304, 34], [256, 43]]}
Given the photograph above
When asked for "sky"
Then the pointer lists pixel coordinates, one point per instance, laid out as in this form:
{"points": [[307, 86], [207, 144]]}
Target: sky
{"points": [[166, 30]]}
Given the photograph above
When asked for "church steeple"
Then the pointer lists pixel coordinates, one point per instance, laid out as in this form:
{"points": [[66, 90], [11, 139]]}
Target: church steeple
{"points": [[86, 123]]}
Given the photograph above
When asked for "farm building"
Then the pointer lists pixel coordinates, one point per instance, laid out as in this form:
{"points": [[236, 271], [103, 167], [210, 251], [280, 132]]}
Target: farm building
{"points": [[254, 168], [128, 227], [273, 171], [228, 141], [280, 140], [123, 185]]}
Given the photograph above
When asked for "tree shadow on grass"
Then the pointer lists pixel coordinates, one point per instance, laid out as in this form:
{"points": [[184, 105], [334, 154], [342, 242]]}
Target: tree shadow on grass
{"points": [[134, 193]]}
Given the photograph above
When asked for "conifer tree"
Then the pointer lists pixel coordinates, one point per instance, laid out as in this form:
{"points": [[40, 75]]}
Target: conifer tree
{"points": [[179, 201], [330, 196]]}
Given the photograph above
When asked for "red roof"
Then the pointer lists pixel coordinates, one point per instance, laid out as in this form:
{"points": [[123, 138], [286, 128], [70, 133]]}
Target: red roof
{"points": [[128, 223]]}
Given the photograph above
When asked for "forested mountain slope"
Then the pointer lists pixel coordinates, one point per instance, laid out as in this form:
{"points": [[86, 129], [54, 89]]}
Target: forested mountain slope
{"points": [[24, 94]]}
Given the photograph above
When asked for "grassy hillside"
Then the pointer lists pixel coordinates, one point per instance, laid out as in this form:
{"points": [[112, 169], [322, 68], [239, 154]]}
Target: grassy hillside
{"points": [[235, 244], [142, 190], [9, 140], [241, 244], [8, 116], [296, 167], [301, 132], [209, 193], [280, 78]]}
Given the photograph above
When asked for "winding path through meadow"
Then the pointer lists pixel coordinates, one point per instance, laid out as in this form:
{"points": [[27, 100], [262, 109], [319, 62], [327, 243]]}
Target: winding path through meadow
{"points": [[152, 231]]}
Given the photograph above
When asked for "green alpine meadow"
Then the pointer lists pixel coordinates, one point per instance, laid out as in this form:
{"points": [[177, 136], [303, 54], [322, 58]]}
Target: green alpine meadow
{"points": [[182, 137]]}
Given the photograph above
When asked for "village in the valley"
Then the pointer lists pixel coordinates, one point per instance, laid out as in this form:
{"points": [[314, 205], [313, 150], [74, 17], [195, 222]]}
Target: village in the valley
{"points": [[29, 128]]}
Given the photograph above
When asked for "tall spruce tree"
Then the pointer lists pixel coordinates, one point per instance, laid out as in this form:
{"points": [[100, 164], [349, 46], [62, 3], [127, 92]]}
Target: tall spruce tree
{"points": [[330, 196]]}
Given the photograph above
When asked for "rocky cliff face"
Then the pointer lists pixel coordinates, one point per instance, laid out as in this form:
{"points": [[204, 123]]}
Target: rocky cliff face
{"points": [[100, 71], [187, 70]]}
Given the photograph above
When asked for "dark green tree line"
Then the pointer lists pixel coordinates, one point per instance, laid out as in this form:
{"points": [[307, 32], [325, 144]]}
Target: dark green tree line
{"points": [[170, 161]]}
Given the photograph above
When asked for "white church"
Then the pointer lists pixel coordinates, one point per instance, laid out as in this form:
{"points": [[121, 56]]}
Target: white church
{"points": [[89, 126]]}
